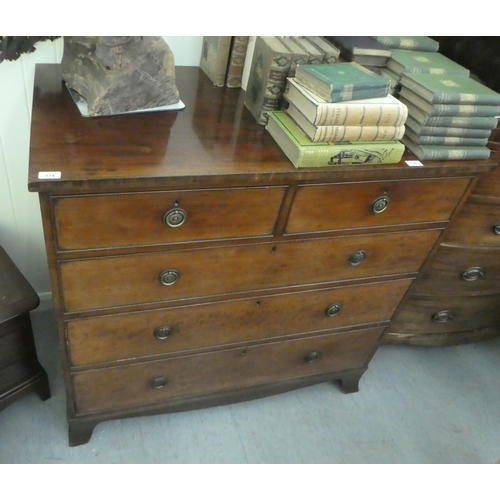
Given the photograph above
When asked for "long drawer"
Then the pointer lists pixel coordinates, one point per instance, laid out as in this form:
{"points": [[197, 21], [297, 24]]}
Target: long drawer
{"points": [[478, 223], [327, 207], [460, 269], [443, 314], [163, 276], [132, 336], [122, 220], [189, 376]]}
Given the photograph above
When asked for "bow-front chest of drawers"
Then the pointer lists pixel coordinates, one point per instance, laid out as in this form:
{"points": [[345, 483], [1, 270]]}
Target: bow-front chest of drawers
{"points": [[456, 298], [193, 265]]}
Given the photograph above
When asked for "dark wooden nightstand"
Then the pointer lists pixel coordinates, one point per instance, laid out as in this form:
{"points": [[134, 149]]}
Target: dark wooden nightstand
{"points": [[20, 370]]}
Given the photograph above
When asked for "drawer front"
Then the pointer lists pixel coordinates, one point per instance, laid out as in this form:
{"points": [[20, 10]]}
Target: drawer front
{"points": [[16, 339], [488, 184], [369, 204], [121, 220], [446, 314], [477, 224], [190, 376], [17, 374], [131, 336], [135, 279], [460, 270]]}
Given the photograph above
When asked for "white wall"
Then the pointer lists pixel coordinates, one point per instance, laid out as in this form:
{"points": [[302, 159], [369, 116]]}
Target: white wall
{"points": [[21, 232]]}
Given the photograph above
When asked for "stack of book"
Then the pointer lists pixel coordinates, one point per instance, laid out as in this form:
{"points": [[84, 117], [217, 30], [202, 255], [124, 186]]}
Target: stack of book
{"points": [[420, 61], [365, 50], [339, 114], [413, 43], [274, 60], [449, 116]]}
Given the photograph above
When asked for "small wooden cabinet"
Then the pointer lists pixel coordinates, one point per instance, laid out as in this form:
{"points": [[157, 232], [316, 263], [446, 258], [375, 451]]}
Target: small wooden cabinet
{"points": [[20, 370], [193, 265]]}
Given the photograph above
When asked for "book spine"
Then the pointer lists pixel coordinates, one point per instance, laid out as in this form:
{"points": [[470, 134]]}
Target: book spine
{"points": [[409, 43], [454, 132], [446, 152], [350, 154], [463, 110], [464, 98], [354, 134], [450, 141], [299, 55], [481, 122], [237, 57], [214, 58], [330, 52], [267, 81], [361, 114], [348, 93], [275, 85]]}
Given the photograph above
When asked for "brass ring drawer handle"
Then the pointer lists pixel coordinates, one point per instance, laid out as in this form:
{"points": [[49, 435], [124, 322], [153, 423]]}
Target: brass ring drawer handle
{"points": [[379, 205], [473, 274], [333, 310], [175, 217], [162, 332], [158, 382], [311, 357], [442, 317], [357, 257], [169, 277], [496, 228]]}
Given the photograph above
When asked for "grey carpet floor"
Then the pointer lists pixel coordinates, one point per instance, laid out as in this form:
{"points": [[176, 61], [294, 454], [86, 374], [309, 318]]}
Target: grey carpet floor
{"points": [[416, 405]]}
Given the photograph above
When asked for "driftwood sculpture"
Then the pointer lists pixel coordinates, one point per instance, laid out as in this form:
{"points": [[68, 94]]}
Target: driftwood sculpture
{"points": [[116, 74]]}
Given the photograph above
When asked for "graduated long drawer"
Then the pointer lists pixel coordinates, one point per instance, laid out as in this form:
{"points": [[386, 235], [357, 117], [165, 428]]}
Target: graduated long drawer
{"points": [[137, 279], [189, 376], [175, 329]]}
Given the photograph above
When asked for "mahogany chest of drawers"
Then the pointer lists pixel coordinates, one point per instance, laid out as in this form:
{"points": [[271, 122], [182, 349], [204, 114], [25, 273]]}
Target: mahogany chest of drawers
{"points": [[193, 265]]}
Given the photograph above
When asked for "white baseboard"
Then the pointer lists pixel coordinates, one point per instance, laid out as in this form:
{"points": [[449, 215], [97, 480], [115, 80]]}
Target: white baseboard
{"points": [[45, 302]]}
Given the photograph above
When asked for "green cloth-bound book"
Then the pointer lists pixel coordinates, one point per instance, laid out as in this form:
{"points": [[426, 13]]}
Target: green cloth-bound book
{"points": [[342, 81], [304, 153], [421, 43], [449, 89], [448, 109], [434, 152], [416, 61], [428, 140], [485, 122], [444, 131]]}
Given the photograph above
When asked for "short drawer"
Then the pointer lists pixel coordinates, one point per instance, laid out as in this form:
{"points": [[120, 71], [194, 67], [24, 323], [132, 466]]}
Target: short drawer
{"points": [[164, 276], [123, 220], [461, 270], [446, 314], [477, 224], [132, 336], [328, 207], [189, 376]]}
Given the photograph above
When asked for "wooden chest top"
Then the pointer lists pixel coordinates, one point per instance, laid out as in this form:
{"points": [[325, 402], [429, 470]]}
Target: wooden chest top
{"points": [[213, 141]]}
